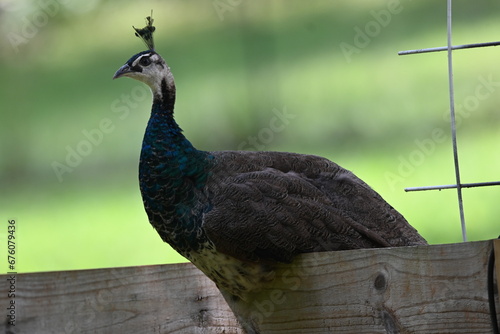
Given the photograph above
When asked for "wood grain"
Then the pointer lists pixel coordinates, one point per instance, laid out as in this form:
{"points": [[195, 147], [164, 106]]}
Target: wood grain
{"points": [[424, 289]]}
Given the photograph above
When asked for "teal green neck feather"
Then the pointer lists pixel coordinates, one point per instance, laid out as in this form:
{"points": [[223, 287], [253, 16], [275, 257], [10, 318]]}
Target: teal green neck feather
{"points": [[172, 174]]}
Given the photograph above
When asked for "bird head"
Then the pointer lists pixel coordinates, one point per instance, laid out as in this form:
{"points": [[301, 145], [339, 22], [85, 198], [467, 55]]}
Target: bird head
{"points": [[148, 67]]}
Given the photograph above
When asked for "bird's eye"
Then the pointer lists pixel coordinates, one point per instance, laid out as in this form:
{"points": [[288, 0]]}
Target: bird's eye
{"points": [[145, 61]]}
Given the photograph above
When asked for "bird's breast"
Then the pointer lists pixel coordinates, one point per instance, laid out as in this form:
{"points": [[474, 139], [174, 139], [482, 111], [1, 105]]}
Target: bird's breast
{"points": [[230, 274]]}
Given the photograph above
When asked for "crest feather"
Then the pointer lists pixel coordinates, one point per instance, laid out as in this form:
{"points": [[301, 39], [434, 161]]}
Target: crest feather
{"points": [[146, 33]]}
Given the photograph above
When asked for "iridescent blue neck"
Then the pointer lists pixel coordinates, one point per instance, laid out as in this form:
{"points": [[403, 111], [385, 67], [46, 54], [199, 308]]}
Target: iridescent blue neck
{"points": [[172, 176], [163, 135], [165, 147]]}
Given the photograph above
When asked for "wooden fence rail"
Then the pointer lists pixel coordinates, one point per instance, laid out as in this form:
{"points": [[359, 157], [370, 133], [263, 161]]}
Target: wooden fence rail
{"points": [[425, 289]]}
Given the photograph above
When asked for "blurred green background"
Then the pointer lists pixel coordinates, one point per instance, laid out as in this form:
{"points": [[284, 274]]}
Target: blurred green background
{"points": [[331, 66]]}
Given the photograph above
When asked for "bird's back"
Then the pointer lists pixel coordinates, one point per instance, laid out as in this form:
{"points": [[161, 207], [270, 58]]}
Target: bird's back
{"points": [[275, 205]]}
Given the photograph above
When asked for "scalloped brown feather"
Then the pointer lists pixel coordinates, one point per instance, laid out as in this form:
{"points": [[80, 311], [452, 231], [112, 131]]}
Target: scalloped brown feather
{"points": [[284, 204]]}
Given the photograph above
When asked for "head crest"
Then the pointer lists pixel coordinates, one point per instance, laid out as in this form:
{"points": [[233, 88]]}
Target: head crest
{"points": [[146, 33]]}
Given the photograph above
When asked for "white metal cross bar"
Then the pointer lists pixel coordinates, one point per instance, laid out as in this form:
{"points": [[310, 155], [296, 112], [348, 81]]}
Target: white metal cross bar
{"points": [[445, 48], [453, 186]]}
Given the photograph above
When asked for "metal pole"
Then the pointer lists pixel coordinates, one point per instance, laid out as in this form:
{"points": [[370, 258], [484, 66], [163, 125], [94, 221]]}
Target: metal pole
{"points": [[453, 123]]}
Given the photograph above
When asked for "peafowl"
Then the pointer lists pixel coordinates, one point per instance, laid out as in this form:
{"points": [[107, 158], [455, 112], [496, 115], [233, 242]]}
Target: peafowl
{"points": [[234, 214]]}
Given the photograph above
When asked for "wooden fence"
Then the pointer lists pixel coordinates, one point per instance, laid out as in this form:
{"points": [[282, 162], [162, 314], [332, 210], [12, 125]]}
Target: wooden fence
{"points": [[425, 289]]}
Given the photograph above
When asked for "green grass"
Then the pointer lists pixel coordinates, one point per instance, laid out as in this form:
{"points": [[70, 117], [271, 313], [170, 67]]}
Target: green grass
{"points": [[365, 115]]}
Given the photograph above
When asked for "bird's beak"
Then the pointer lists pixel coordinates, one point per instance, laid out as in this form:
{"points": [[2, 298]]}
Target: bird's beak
{"points": [[122, 71]]}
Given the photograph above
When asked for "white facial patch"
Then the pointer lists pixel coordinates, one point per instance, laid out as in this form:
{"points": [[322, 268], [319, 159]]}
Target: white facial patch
{"points": [[146, 55], [152, 72]]}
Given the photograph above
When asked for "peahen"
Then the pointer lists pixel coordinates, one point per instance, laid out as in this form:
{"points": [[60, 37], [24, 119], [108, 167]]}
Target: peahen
{"points": [[236, 213]]}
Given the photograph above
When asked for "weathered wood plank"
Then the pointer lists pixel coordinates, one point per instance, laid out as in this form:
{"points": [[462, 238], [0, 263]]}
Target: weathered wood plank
{"points": [[429, 289], [146, 299], [425, 289]]}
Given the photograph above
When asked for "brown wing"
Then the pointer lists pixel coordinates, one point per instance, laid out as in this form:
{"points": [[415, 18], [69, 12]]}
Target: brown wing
{"points": [[275, 205]]}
